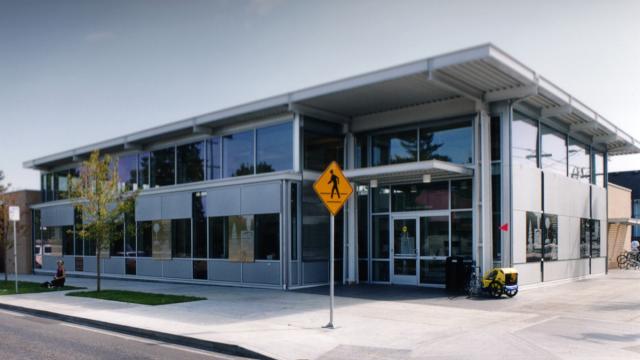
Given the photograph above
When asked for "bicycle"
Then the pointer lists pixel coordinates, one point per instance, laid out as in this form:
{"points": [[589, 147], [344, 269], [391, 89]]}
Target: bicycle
{"points": [[629, 259], [473, 286]]}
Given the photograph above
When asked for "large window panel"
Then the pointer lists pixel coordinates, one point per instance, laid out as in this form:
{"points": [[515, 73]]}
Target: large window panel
{"points": [[218, 239], [241, 238], [128, 171], [66, 232], [267, 237], [315, 226], [144, 169], [181, 238], [145, 238], [320, 149], [394, 148], [434, 236], [413, 197], [274, 148], [163, 167], [579, 162], [53, 241], [525, 140], [380, 236], [453, 144], [237, 150], [190, 162], [198, 210], [214, 157], [461, 191], [554, 151], [130, 233], [462, 234]]}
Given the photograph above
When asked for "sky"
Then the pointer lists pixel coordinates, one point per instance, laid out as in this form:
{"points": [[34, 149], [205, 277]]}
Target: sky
{"points": [[78, 72]]}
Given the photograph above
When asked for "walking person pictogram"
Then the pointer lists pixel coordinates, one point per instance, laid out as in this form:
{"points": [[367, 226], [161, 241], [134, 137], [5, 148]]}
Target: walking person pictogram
{"points": [[335, 180]]}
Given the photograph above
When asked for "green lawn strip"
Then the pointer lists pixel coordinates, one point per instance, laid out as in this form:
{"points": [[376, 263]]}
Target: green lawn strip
{"points": [[26, 287], [136, 297]]}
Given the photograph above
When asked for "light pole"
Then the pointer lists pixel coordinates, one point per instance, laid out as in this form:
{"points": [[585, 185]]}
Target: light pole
{"points": [[14, 217]]}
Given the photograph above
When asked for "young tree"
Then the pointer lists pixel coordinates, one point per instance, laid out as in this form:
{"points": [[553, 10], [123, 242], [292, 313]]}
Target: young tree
{"points": [[5, 243], [98, 196]]}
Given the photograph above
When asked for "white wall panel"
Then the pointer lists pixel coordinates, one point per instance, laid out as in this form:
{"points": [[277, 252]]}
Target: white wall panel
{"points": [[599, 211], [568, 237], [527, 188], [565, 196], [598, 265], [528, 273], [568, 269]]}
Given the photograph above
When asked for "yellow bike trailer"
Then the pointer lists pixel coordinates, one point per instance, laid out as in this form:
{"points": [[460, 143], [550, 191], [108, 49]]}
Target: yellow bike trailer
{"points": [[501, 281]]}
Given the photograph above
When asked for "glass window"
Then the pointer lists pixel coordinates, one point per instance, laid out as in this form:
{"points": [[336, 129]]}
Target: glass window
{"points": [[451, 144], [130, 233], [53, 241], [274, 148], [434, 236], [585, 238], [213, 158], [128, 171], [394, 148], [598, 164], [218, 240], [145, 238], [241, 238], [162, 233], [294, 221], [190, 162], [462, 234], [144, 167], [117, 239], [181, 238], [380, 271], [237, 150], [533, 236], [66, 232], [380, 236], [61, 186], [163, 167], [554, 151], [363, 222], [363, 270], [579, 162], [362, 149], [77, 224], [595, 238], [315, 226], [432, 271], [380, 199], [321, 149], [200, 270], [199, 211], [525, 140], [496, 139], [461, 194], [267, 237], [550, 237], [496, 208], [413, 197]]}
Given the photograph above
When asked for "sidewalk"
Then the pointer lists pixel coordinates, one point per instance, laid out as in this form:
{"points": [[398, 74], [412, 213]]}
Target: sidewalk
{"points": [[594, 319]]}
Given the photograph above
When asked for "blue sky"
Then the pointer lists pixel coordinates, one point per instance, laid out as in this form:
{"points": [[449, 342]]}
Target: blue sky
{"points": [[77, 72]]}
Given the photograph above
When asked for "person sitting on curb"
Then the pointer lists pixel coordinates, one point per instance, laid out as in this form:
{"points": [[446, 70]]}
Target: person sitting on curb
{"points": [[58, 280]]}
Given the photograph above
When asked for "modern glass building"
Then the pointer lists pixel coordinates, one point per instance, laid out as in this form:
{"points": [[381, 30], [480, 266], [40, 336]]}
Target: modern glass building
{"points": [[467, 154]]}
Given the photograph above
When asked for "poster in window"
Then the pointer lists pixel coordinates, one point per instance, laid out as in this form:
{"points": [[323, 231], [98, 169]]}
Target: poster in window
{"points": [[534, 246], [241, 238], [585, 238], [550, 236], [595, 238]]}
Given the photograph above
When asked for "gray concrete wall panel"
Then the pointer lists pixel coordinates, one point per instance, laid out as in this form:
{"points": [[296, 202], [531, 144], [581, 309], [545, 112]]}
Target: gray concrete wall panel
{"points": [[57, 215], [177, 268], [261, 273], [224, 271], [89, 264], [114, 265], [148, 208], [148, 267], [49, 262], [223, 201], [176, 205], [261, 198]]}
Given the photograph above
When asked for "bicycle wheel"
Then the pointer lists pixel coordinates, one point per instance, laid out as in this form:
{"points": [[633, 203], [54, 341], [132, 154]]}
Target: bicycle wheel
{"points": [[622, 260], [495, 289]]}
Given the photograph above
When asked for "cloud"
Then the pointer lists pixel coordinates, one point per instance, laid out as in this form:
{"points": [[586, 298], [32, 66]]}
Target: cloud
{"points": [[263, 7], [99, 36]]}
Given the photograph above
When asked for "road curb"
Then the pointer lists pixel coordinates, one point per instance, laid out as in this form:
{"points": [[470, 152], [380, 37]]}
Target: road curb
{"points": [[214, 346]]}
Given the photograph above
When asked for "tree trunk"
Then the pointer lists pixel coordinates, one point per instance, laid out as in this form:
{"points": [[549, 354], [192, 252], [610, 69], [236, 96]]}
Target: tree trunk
{"points": [[98, 244]]}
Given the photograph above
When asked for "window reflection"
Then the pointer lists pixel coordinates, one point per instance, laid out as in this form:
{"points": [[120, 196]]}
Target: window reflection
{"points": [[394, 148], [451, 144], [462, 234], [181, 238], [431, 196], [190, 162], [213, 158], [274, 148], [434, 236], [554, 151], [128, 171], [163, 167], [579, 163], [144, 167], [525, 141], [237, 150]]}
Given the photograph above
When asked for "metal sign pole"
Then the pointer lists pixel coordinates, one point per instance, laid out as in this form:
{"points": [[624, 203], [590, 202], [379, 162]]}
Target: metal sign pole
{"points": [[331, 272], [15, 255]]}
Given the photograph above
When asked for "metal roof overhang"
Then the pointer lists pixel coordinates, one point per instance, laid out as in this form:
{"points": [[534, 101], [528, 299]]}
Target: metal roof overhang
{"points": [[624, 221], [409, 172], [477, 75]]}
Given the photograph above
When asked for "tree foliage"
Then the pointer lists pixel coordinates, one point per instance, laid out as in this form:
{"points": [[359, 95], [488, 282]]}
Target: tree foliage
{"points": [[98, 195], [5, 243]]}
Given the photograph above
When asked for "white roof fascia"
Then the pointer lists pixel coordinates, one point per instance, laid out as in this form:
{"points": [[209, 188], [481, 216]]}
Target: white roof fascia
{"points": [[409, 167]]}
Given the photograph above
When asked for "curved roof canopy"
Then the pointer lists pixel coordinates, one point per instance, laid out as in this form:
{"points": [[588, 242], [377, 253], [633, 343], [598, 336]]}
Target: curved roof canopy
{"points": [[482, 74]]}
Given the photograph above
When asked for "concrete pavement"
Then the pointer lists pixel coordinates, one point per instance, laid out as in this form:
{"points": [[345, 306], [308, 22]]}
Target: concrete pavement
{"points": [[592, 319]]}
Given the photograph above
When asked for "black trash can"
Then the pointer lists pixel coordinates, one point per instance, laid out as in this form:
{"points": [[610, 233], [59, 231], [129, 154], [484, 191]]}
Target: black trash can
{"points": [[455, 273]]}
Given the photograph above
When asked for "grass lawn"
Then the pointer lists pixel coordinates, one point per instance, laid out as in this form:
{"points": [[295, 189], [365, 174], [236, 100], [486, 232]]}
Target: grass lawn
{"points": [[136, 297], [24, 287]]}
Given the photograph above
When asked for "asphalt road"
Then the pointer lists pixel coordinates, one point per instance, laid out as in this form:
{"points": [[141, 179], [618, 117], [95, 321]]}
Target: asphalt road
{"points": [[28, 337]]}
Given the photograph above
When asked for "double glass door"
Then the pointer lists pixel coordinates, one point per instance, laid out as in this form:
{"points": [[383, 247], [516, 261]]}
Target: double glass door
{"points": [[419, 246]]}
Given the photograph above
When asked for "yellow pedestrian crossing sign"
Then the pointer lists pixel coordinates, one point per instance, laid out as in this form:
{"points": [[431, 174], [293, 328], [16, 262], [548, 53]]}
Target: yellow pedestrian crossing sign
{"points": [[333, 188]]}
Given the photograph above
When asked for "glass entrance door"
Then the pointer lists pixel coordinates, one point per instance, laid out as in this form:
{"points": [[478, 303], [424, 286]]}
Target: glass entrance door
{"points": [[404, 255]]}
